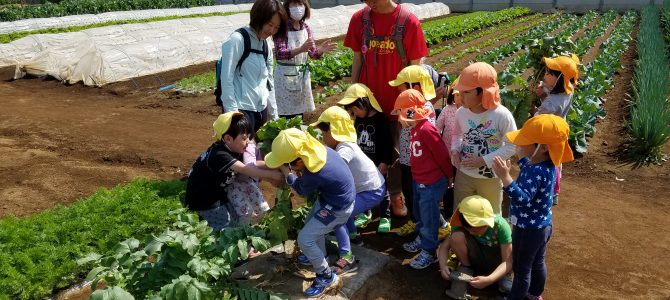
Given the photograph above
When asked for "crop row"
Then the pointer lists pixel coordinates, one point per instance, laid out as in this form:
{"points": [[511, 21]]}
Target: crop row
{"points": [[82, 7], [650, 111]]}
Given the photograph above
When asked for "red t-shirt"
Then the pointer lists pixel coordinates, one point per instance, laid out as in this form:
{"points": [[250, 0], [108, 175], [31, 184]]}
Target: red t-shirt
{"points": [[429, 156], [388, 61]]}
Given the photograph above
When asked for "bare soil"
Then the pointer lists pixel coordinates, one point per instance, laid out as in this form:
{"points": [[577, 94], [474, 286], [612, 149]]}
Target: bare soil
{"points": [[59, 143]]}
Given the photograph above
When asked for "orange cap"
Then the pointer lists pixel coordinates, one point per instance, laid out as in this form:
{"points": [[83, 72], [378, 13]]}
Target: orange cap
{"points": [[546, 129], [409, 106], [481, 75], [566, 65]]}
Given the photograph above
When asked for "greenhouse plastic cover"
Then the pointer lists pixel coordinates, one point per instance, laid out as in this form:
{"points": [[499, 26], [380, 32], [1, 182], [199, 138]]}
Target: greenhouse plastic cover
{"points": [[82, 20], [103, 55]]}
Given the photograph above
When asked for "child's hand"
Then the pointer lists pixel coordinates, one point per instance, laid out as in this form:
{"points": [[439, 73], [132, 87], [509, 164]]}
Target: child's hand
{"points": [[326, 47], [444, 271], [277, 178], [308, 44], [473, 162], [501, 167], [455, 158], [384, 169], [480, 282], [440, 92]]}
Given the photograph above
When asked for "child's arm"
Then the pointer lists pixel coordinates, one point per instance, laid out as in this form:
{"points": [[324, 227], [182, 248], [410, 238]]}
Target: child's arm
{"points": [[437, 149], [505, 125], [505, 267], [443, 257], [520, 192], [456, 141], [273, 176], [299, 184]]}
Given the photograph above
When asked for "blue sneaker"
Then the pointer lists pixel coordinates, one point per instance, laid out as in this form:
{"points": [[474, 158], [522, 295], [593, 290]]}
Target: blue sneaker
{"points": [[413, 246], [423, 260], [321, 284]]}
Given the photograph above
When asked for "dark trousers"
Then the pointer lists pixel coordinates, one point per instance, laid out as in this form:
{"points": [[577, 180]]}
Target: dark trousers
{"points": [[256, 118], [530, 271]]}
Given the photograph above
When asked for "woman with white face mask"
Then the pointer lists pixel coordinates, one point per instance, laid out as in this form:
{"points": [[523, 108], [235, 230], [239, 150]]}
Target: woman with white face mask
{"points": [[293, 47]]}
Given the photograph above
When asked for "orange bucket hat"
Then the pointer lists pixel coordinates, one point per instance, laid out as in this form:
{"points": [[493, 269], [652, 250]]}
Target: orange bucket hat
{"points": [[409, 106], [481, 75], [566, 65], [545, 129]]}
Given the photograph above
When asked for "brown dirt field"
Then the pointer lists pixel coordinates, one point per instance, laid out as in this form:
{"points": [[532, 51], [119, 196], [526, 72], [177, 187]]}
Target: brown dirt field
{"points": [[59, 143]]}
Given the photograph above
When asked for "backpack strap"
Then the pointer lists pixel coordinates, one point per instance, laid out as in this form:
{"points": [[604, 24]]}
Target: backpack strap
{"points": [[247, 47], [399, 34]]}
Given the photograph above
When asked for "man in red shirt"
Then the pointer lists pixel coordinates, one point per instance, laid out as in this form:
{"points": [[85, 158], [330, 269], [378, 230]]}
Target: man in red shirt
{"points": [[373, 35]]}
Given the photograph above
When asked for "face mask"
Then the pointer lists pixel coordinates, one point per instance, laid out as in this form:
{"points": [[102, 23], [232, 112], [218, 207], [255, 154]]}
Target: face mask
{"points": [[297, 12]]}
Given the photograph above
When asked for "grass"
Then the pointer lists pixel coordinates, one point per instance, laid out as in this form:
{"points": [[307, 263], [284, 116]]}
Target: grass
{"points": [[198, 83], [38, 253]]}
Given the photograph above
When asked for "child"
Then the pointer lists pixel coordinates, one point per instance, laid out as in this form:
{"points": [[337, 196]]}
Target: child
{"points": [[446, 124], [542, 144], [482, 242], [431, 171], [339, 134], [481, 125], [208, 188], [412, 77], [322, 170], [557, 89], [293, 46], [374, 138]]}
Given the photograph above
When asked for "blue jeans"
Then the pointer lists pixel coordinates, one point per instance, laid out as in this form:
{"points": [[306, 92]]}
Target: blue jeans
{"points": [[530, 271], [426, 208], [364, 201], [312, 237]]}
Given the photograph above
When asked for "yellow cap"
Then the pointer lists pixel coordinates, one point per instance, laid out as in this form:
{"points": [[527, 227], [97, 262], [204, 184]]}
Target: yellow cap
{"points": [[341, 126], [477, 211], [566, 65], [545, 129], [359, 90], [291, 144], [416, 74], [222, 123]]}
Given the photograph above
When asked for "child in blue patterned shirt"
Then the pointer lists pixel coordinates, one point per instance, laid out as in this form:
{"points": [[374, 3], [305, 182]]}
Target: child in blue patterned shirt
{"points": [[542, 144]]}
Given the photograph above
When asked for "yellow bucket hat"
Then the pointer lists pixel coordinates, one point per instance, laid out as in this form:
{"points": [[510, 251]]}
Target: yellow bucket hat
{"points": [[222, 123], [356, 91], [291, 144], [545, 129], [566, 65], [477, 211], [416, 74], [341, 126]]}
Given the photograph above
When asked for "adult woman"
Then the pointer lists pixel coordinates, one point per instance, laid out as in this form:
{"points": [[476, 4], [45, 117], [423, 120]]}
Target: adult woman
{"points": [[248, 87], [293, 46]]}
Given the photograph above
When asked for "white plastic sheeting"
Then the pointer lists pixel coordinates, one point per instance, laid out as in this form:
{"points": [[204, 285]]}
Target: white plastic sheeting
{"points": [[99, 56], [81, 20]]}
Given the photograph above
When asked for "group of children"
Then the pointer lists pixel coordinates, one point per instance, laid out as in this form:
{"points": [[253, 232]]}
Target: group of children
{"points": [[468, 148]]}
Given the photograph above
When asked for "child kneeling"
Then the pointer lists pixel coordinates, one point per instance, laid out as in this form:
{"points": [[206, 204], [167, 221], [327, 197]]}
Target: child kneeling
{"points": [[323, 171], [220, 187]]}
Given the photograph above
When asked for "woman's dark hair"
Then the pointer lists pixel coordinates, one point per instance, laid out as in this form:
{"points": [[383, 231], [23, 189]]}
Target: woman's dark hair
{"points": [[287, 3], [323, 126], [262, 12], [450, 97], [464, 222], [559, 88], [239, 124], [361, 103]]}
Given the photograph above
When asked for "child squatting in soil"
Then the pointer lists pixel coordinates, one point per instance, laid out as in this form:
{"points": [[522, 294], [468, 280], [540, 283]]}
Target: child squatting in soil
{"points": [[374, 139], [481, 125], [431, 171], [324, 171], [339, 134], [542, 144], [556, 90], [216, 188]]}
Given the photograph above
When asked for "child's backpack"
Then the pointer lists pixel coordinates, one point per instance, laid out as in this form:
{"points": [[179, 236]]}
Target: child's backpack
{"points": [[245, 54], [397, 36]]}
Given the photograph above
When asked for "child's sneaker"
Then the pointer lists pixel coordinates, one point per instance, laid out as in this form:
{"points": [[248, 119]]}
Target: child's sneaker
{"points": [[303, 260], [412, 246], [343, 266], [321, 284], [406, 229], [384, 225], [423, 260], [362, 220], [398, 205]]}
